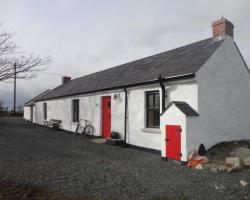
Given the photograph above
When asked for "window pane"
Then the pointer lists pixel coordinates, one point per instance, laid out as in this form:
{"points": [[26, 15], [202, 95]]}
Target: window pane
{"points": [[157, 100], [150, 118], [45, 110], [75, 110], [157, 117], [150, 100], [153, 118], [153, 109]]}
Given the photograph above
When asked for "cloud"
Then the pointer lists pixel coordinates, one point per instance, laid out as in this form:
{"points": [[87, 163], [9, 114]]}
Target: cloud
{"points": [[90, 35], [7, 95]]}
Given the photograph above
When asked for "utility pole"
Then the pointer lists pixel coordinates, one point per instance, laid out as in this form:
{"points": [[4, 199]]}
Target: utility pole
{"points": [[14, 106]]}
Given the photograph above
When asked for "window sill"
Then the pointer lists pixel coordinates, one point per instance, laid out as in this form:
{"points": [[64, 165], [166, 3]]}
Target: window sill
{"points": [[152, 130]]}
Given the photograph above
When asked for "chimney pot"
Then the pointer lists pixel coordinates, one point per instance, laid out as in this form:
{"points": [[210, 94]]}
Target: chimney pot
{"points": [[65, 79], [222, 27]]}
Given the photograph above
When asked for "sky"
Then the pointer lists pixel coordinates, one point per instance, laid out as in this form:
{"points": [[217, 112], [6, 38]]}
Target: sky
{"points": [[85, 36]]}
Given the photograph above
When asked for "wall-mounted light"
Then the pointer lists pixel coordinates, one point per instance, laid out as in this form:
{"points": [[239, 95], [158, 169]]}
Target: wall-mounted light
{"points": [[117, 96]]}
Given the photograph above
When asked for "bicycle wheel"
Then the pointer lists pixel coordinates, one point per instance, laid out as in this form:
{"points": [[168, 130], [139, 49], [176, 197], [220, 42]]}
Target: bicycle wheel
{"points": [[77, 128], [88, 130]]}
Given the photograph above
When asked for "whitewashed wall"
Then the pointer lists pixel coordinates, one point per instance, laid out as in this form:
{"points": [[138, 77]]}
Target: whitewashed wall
{"points": [[38, 113], [137, 134], [90, 108], [27, 113], [173, 116], [224, 99], [187, 91]]}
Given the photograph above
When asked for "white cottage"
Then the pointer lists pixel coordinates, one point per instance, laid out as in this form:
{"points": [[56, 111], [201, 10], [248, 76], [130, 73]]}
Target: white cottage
{"points": [[169, 102], [28, 108]]}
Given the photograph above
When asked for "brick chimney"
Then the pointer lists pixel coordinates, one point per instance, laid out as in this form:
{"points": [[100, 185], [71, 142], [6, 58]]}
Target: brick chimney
{"points": [[223, 27], [65, 79]]}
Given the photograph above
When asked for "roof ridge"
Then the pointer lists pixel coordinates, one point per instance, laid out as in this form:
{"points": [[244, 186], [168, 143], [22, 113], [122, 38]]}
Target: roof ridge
{"points": [[184, 107]]}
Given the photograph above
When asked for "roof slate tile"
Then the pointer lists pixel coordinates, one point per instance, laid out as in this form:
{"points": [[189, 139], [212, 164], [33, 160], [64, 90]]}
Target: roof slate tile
{"points": [[177, 62]]}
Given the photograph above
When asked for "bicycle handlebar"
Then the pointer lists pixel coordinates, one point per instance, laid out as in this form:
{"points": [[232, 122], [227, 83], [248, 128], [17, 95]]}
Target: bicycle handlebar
{"points": [[84, 120]]}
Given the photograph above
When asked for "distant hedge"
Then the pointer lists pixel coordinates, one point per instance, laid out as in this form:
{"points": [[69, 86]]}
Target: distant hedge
{"points": [[11, 114]]}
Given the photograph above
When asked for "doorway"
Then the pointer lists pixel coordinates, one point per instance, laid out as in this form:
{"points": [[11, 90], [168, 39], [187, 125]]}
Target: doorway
{"points": [[106, 117], [173, 142]]}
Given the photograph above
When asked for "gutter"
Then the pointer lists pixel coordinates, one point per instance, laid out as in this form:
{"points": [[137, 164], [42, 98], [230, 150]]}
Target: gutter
{"points": [[169, 79]]}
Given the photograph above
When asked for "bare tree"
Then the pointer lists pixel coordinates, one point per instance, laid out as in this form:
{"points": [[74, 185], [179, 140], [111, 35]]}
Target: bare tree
{"points": [[26, 66]]}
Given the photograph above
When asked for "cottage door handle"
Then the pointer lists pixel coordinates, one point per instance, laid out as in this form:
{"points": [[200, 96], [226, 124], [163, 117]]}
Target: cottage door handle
{"points": [[167, 140]]}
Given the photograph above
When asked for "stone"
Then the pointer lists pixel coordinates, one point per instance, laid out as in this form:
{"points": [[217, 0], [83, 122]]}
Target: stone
{"points": [[217, 187], [214, 169], [99, 140], [243, 183], [233, 163], [246, 162], [199, 166], [242, 153], [222, 168]]}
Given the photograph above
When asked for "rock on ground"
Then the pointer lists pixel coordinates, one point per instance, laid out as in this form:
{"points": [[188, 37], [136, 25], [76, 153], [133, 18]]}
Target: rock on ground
{"points": [[233, 163], [247, 162], [243, 154], [199, 166], [243, 183]]}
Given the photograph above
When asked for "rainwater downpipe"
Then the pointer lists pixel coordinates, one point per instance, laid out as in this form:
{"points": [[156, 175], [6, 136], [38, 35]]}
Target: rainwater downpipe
{"points": [[161, 81], [125, 116]]}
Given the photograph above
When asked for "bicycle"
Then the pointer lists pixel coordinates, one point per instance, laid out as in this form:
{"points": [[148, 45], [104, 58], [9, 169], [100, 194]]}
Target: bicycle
{"points": [[87, 129]]}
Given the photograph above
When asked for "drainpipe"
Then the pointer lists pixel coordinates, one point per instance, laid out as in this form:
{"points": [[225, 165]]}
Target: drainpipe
{"points": [[125, 116], [161, 81]]}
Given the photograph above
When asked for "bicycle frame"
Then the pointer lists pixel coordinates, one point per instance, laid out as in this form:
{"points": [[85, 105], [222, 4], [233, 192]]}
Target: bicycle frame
{"points": [[82, 126], [85, 121]]}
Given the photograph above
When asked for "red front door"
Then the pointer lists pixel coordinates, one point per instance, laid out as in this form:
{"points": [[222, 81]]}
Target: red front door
{"points": [[173, 142], [106, 117]]}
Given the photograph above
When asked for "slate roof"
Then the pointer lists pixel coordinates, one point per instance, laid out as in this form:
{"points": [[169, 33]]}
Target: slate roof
{"points": [[184, 107], [32, 101], [182, 61]]}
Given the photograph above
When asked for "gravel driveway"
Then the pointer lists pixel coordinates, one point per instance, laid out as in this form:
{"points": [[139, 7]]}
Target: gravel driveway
{"points": [[75, 165]]}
